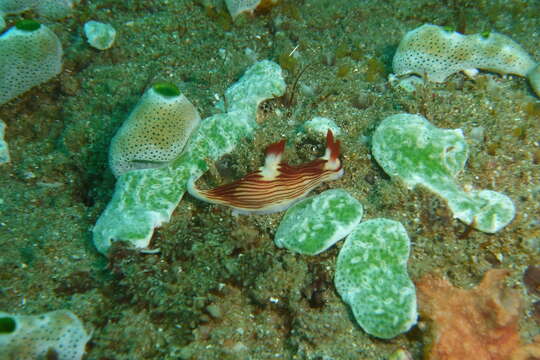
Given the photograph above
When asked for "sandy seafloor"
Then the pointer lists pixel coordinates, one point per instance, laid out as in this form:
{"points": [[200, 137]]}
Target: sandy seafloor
{"points": [[219, 288]]}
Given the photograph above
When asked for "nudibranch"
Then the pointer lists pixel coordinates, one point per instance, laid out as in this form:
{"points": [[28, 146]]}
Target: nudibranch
{"points": [[276, 185]]}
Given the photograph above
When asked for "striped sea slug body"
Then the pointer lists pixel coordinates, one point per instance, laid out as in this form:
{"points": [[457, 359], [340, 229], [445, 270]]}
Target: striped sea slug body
{"points": [[276, 185]]}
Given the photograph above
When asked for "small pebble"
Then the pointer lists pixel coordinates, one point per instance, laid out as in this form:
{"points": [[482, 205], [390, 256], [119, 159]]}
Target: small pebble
{"points": [[100, 36], [477, 134], [214, 311]]}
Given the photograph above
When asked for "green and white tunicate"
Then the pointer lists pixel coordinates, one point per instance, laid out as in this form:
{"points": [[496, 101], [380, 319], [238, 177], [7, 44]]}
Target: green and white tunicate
{"points": [[30, 54], [53, 9], [314, 224], [412, 149], [371, 276]]}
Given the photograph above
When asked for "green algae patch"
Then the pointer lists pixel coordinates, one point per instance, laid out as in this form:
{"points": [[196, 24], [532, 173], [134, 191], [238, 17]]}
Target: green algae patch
{"points": [[144, 199], [371, 276], [28, 25], [314, 224], [409, 147], [166, 89], [7, 325]]}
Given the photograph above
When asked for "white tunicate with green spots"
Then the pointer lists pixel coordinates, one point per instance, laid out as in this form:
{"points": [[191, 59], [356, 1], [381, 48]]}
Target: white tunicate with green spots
{"points": [[437, 52], [30, 337], [411, 148], [371, 276], [155, 132], [30, 54], [314, 224], [53, 9], [145, 199]]}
